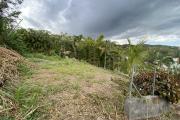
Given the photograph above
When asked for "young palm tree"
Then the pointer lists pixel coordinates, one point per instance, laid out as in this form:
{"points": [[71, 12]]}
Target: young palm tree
{"points": [[135, 55]]}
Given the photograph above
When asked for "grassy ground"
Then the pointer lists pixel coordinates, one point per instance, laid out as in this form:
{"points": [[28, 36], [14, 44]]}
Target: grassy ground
{"points": [[54, 88], [66, 89]]}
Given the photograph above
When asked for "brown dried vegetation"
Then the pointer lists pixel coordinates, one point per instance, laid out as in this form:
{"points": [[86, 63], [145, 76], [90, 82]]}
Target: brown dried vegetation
{"points": [[166, 85], [8, 65]]}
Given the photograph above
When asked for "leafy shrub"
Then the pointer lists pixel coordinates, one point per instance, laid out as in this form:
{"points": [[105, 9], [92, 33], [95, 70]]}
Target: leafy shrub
{"points": [[16, 42], [39, 41]]}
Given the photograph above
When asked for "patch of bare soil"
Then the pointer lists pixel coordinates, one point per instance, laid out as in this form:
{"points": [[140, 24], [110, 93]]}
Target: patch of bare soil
{"points": [[45, 77], [80, 106]]}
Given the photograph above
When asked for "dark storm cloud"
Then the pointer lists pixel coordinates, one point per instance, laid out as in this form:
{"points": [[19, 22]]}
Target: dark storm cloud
{"points": [[116, 16], [123, 18]]}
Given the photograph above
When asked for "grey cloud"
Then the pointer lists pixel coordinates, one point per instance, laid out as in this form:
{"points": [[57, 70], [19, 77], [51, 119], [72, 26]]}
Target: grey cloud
{"points": [[111, 17], [51, 8], [33, 23]]}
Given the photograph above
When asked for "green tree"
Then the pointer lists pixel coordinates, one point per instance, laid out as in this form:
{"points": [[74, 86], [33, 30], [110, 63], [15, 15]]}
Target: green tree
{"points": [[134, 55], [8, 17]]}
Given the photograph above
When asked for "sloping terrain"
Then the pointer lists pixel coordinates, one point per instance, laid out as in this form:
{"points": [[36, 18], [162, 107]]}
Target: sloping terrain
{"points": [[76, 90], [55, 88]]}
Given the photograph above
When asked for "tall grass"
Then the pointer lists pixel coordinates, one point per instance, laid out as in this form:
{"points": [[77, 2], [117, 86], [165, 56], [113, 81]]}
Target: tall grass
{"points": [[20, 99]]}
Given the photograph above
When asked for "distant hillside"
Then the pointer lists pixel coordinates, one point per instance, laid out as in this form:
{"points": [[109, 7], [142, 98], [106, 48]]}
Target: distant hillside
{"points": [[165, 50], [162, 49]]}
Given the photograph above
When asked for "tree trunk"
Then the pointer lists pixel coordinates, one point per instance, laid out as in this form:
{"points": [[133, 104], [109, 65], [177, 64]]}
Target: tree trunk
{"points": [[105, 60]]}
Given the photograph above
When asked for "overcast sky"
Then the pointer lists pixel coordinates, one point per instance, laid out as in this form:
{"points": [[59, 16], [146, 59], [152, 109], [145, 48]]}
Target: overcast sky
{"points": [[157, 21]]}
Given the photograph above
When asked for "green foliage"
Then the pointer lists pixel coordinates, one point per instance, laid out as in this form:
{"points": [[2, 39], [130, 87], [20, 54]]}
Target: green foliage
{"points": [[9, 15], [27, 97], [21, 97], [99, 52], [134, 55], [16, 42], [159, 51], [24, 70]]}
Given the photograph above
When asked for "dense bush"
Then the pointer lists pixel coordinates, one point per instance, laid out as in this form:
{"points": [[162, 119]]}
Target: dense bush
{"points": [[98, 51], [166, 85], [39, 41], [16, 42]]}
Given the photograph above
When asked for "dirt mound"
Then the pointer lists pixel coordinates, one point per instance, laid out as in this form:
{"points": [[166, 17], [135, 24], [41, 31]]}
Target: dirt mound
{"points": [[8, 65]]}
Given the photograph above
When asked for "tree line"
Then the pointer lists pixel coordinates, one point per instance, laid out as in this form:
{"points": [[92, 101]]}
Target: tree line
{"points": [[97, 51]]}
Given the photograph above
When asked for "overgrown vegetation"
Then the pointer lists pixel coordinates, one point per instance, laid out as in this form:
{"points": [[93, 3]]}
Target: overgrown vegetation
{"points": [[77, 88], [8, 20], [19, 100], [165, 85], [99, 51], [59, 83]]}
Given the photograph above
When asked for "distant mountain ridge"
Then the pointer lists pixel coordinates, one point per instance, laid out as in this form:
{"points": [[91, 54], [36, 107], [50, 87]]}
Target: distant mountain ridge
{"points": [[173, 51]]}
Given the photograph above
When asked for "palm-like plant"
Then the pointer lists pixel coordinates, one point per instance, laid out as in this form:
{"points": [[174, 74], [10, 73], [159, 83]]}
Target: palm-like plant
{"points": [[135, 55]]}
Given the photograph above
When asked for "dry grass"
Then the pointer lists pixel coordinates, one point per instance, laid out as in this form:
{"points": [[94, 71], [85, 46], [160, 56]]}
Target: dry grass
{"points": [[77, 90], [8, 65], [8, 73], [65, 89]]}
